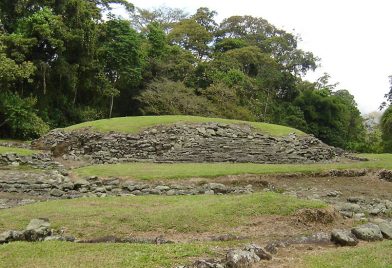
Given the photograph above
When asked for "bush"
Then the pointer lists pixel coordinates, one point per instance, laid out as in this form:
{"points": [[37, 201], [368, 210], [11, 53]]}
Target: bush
{"points": [[18, 118], [386, 128]]}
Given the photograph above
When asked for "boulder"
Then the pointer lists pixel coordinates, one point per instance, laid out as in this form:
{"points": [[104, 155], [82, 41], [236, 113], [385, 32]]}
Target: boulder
{"points": [[5, 237], [207, 264], [37, 230], [343, 238], [238, 258], [348, 207], [81, 183], [368, 232], [385, 175], [259, 251], [9, 236], [216, 187], [56, 193], [386, 229]]}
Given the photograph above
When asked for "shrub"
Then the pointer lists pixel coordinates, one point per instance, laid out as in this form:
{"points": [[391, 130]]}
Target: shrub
{"points": [[18, 118]]}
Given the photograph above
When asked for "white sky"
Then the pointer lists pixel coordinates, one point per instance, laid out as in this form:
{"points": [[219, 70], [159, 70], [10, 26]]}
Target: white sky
{"points": [[352, 37]]}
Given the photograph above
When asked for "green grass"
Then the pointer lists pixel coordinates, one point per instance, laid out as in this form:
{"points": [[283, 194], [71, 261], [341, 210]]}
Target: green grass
{"points": [[95, 217], [20, 151], [375, 255], [62, 254], [137, 123], [147, 171]]}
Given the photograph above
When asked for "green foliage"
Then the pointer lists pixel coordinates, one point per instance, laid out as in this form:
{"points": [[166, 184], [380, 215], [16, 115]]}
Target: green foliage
{"points": [[167, 97], [386, 127], [18, 118], [79, 65], [192, 36], [227, 103], [331, 116]]}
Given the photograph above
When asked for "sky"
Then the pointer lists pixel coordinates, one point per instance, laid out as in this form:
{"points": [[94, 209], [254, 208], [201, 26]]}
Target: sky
{"points": [[352, 37]]}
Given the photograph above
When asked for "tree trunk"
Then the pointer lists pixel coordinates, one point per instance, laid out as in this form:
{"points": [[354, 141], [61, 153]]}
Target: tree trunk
{"points": [[111, 106], [44, 77], [75, 94], [266, 107]]}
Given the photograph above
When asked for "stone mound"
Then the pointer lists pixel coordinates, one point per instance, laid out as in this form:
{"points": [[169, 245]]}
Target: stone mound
{"points": [[185, 142]]}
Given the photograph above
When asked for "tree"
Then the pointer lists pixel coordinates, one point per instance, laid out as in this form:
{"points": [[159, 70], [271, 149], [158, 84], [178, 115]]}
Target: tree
{"points": [[191, 36], [165, 17], [205, 17], [386, 128], [388, 96], [120, 58]]}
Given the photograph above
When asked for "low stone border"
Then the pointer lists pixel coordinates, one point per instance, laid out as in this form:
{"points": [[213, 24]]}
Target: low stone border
{"points": [[41, 160], [376, 231], [55, 185]]}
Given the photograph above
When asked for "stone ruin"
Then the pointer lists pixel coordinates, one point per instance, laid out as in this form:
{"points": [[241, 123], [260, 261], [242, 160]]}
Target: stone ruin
{"points": [[184, 142]]}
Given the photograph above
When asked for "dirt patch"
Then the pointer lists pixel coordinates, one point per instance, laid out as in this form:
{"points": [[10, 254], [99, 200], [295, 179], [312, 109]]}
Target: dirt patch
{"points": [[317, 216]]}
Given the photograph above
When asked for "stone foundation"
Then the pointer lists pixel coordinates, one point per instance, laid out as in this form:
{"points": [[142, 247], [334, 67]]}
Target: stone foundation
{"points": [[206, 142]]}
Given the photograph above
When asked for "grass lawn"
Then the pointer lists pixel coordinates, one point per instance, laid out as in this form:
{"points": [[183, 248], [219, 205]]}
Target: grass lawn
{"points": [[148, 171], [374, 255], [20, 151], [62, 255], [95, 217], [137, 123]]}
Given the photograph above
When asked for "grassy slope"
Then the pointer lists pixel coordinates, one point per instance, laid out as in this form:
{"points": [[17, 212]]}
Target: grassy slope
{"points": [[20, 151], [94, 217], [138, 123], [375, 255], [62, 254], [187, 170]]}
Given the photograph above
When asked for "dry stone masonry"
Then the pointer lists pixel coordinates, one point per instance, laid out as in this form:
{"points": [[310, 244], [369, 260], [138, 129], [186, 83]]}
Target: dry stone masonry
{"points": [[39, 160], [52, 185], [205, 142]]}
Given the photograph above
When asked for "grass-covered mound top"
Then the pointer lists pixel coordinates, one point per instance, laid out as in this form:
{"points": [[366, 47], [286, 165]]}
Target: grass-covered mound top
{"points": [[136, 124]]}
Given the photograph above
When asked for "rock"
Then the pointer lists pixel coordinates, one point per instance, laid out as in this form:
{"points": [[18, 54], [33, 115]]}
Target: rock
{"points": [[207, 264], [259, 251], [385, 175], [60, 238], [367, 232], [272, 248], [6, 237], [216, 187], [56, 193], [349, 207], [18, 236], [343, 238], [386, 229], [81, 183], [334, 194], [355, 199], [37, 230], [238, 258], [226, 237], [67, 186], [162, 188]]}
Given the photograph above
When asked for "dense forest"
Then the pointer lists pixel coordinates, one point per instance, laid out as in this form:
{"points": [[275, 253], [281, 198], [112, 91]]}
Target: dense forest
{"points": [[69, 61]]}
